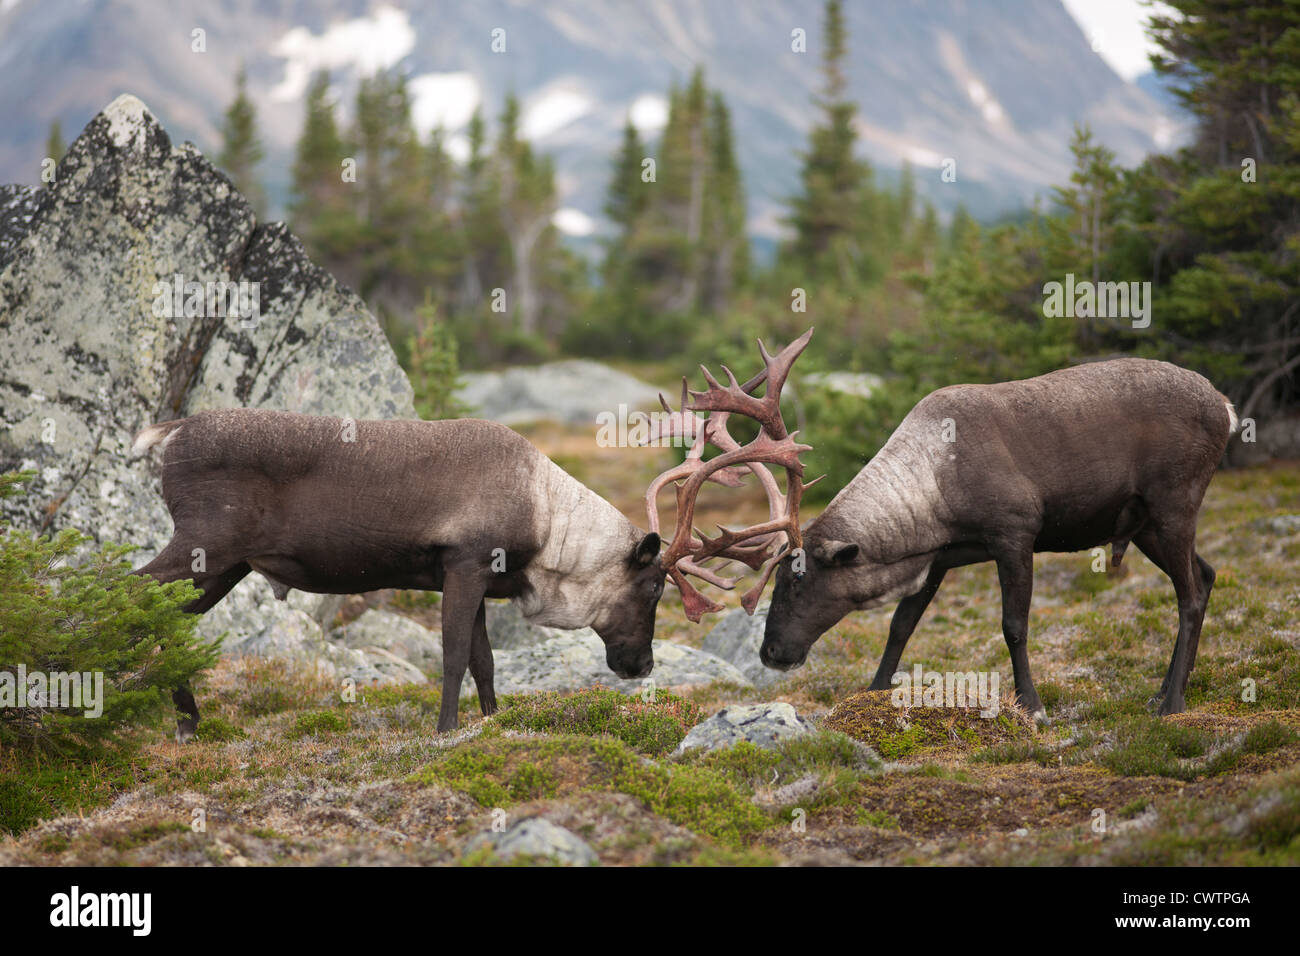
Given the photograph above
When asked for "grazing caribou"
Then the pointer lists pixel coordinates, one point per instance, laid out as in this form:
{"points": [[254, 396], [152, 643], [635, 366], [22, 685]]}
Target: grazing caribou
{"points": [[466, 507], [1101, 454]]}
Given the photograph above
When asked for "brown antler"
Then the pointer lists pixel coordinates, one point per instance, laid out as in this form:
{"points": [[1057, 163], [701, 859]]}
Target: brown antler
{"points": [[759, 546]]}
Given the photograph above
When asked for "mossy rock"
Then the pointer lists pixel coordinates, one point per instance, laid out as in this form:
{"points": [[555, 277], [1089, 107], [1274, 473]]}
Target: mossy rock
{"points": [[898, 732]]}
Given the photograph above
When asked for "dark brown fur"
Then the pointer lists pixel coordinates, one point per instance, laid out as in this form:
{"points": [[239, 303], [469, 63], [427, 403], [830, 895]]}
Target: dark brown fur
{"points": [[1102, 454], [331, 506]]}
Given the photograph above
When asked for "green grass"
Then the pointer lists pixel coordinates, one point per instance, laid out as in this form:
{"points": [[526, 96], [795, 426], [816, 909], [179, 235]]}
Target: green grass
{"points": [[501, 771], [316, 723], [654, 727]]}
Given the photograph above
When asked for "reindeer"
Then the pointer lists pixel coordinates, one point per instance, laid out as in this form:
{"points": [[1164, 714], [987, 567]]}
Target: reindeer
{"points": [[465, 507], [1109, 453]]}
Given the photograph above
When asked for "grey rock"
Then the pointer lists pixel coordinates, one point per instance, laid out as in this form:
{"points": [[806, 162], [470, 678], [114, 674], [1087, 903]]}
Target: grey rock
{"points": [[574, 392], [762, 725], [508, 629], [537, 837], [396, 635], [860, 384], [576, 659], [391, 668], [256, 624], [1280, 525], [17, 206], [86, 360], [737, 639]]}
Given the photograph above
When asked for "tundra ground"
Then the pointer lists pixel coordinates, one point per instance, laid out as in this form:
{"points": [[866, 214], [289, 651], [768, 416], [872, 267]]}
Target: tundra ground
{"points": [[285, 772]]}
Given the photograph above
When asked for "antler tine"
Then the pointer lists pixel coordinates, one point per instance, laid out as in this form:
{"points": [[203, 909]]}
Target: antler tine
{"points": [[733, 398]]}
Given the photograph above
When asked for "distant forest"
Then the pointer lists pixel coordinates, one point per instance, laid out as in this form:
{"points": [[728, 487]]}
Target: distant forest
{"points": [[461, 262]]}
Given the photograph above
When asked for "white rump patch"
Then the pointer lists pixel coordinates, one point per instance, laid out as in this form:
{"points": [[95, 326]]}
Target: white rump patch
{"points": [[1232, 418], [162, 432]]}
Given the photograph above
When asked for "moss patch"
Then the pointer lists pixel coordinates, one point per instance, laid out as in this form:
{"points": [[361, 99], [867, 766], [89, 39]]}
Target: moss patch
{"points": [[902, 732], [499, 771], [651, 727]]}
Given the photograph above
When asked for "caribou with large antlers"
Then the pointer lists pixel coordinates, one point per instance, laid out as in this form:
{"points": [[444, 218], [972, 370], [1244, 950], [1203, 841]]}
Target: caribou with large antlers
{"points": [[1101, 454], [469, 508]]}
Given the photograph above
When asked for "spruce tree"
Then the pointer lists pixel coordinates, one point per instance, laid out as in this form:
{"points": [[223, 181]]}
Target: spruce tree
{"points": [[241, 149], [828, 213], [320, 204]]}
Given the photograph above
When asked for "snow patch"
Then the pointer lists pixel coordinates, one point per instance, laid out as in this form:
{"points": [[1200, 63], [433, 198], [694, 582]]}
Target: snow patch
{"points": [[573, 222], [446, 100], [649, 113], [368, 44], [982, 98], [458, 148], [555, 108]]}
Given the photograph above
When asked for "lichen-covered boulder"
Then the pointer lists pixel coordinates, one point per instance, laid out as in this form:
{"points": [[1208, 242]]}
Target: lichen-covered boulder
{"points": [[395, 635], [762, 725], [96, 342], [538, 838]]}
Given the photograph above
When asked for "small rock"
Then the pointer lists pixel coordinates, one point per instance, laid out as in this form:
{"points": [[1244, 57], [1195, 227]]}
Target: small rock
{"points": [[538, 837], [801, 789], [392, 669], [762, 725]]}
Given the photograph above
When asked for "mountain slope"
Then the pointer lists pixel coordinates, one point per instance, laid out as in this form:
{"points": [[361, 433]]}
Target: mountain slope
{"points": [[997, 87]]}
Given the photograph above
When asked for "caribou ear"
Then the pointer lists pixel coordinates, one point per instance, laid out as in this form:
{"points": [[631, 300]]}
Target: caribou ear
{"points": [[647, 549], [835, 554]]}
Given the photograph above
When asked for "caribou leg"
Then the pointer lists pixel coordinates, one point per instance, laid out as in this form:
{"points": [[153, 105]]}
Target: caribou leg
{"points": [[462, 606], [906, 616]]}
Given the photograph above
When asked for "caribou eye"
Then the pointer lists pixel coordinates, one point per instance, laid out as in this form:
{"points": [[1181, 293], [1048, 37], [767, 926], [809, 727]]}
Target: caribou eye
{"points": [[798, 575]]}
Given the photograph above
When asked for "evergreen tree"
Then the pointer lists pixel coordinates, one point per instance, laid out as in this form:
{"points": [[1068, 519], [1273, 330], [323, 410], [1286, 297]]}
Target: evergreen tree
{"points": [[241, 149], [433, 368], [726, 246], [828, 214], [527, 203], [320, 205], [627, 196]]}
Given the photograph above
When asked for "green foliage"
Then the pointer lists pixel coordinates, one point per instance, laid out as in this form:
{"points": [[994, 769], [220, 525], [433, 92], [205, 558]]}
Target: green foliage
{"points": [[680, 251], [433, 368], [317, 722], [654, 727], [408, 225], [241, 149], [498, 772], [67, 610], [214, 728]]}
